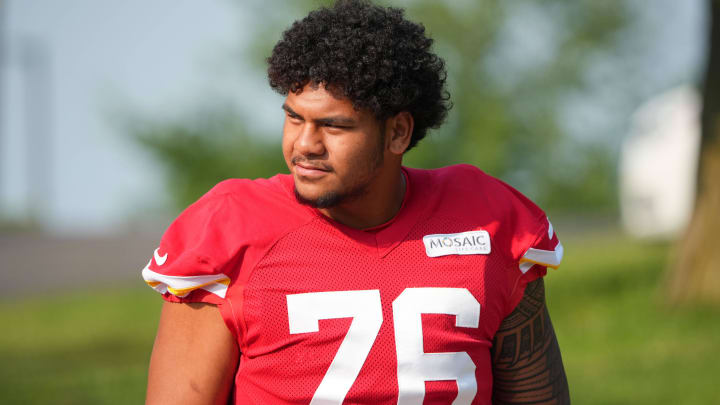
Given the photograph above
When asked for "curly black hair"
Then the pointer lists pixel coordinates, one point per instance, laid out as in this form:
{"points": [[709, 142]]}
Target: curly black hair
{"points": [[369, 54]]}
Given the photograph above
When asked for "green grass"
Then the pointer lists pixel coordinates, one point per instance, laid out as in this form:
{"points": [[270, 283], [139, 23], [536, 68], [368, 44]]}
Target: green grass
{"points": [[79, 348], [621, 343]]}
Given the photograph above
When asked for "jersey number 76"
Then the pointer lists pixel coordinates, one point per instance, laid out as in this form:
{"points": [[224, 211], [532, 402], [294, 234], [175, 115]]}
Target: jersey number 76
{"points": [[414, 366]]}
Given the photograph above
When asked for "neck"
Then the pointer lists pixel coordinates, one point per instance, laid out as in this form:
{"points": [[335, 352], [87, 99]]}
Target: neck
{"points": [[379, 204]]}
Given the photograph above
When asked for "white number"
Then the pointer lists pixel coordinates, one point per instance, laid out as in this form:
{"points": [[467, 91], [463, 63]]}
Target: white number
{"points": [[304, 312], [414, 365]]}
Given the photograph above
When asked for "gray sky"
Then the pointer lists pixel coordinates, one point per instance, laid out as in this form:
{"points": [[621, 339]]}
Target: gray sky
{"points": [[162, 57]]}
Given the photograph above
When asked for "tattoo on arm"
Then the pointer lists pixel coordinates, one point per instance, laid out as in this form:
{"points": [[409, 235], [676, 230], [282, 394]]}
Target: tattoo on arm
{"points": [[527, 366]]}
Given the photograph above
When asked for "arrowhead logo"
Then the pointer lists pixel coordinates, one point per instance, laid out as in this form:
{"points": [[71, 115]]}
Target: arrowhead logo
{"points": [[160, 260]]}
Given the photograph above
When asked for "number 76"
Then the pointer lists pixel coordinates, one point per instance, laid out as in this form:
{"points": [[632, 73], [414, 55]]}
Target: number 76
{"points": [[414, 366]]}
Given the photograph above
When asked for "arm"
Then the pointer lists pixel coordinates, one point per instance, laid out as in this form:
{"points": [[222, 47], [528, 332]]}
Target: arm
{"points": [[527, 366], [194, 357]]}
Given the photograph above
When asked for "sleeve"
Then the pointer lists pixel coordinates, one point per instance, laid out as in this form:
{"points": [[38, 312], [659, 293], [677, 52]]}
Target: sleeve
{"points": [[532, 259], [193, 261]]}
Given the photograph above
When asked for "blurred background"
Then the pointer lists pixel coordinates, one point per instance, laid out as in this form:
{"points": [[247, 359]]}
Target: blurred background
{"points": [[116, 115]]}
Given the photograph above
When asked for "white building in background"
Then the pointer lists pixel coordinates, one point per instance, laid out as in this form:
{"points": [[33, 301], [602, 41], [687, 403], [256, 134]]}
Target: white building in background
{"points": [[658, 165]]}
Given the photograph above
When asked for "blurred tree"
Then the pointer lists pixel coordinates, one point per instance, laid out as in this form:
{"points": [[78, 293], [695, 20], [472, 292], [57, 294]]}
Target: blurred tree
{"points": [[511, 66], [695, 274], [203, 149]]}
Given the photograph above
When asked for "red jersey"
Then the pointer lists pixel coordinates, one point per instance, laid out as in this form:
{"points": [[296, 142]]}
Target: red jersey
{"points": [[323, 313]]}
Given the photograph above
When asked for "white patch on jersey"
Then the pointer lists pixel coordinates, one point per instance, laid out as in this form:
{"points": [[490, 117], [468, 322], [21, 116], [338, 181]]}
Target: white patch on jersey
{"points": [[547, 258], [160, 260], [465, 243], [551, 231]]}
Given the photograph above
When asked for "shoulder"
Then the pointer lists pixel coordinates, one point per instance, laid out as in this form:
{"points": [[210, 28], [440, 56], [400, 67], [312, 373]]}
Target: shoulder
{"points": [[231, 224], [259, 202], [467, 188], [521, 237], [468, 194], [252, 192], [244, 212]]}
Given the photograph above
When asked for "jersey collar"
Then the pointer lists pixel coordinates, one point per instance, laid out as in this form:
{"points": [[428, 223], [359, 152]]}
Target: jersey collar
{"points": [[381, 239]]}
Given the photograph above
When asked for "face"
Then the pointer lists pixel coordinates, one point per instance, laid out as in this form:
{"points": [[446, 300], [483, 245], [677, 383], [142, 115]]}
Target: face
{"points": [[333, 151]]}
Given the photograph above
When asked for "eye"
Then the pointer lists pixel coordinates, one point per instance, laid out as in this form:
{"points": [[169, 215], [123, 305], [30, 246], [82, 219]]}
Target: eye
{"points": [[293, 118], [337, 127]]}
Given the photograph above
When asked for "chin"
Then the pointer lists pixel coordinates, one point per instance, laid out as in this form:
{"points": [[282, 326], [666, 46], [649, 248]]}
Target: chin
{"points": [[324, 200]]}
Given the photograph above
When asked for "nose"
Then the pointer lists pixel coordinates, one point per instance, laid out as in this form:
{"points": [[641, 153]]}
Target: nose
{"points": [[309, 141]]}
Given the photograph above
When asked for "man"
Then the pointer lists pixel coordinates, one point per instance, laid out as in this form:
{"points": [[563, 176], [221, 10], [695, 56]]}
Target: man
{"points": [[354, 279]]}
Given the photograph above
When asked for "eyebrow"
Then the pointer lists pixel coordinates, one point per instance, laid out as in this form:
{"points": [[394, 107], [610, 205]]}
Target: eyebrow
{"points": [[334, 120], [290, 111]]}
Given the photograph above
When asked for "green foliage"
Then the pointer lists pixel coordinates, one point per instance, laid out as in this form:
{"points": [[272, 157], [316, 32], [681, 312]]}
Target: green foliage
{"points": [[621, 344], [581, 186], [512, 66], [200, 152]]}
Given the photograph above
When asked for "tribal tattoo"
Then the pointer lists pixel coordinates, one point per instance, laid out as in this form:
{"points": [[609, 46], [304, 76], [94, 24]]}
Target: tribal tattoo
{"points": [[527, 366]]}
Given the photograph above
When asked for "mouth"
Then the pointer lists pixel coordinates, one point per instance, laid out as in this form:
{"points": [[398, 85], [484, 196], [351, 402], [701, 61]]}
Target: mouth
{"points": [[310, 170]]}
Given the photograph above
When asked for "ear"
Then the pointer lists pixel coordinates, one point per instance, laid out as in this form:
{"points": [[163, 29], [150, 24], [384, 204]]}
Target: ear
{"points": [[399, 129]]}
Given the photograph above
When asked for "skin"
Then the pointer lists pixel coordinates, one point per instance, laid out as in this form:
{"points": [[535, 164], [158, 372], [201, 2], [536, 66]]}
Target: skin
{"points": [[331, 148], [194, 357], [527, 366], [337, 153]]}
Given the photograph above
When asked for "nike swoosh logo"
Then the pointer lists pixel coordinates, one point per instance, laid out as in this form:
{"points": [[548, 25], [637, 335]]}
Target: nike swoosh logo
{"points": [[160, 260]]}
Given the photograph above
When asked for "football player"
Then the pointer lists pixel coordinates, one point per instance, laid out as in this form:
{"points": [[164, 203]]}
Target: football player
{"points": [[354, 279]]}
